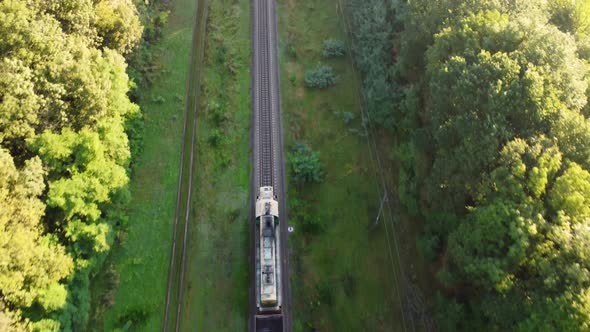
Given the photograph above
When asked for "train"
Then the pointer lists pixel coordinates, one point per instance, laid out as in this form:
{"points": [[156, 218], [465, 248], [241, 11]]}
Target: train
{"points": [[268, 267]]}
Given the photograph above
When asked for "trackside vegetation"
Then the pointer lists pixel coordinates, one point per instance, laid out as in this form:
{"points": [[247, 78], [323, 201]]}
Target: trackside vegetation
{"points": [[486, 104], [320, 77], [68, 130], [216, 294], [343, 275]]}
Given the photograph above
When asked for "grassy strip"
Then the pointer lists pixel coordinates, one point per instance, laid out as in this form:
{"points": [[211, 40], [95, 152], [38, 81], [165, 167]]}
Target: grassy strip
{"points": [[130, 294], [216, 287], [343, 277]]}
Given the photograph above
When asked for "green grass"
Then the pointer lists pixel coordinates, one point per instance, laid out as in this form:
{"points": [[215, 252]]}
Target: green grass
{"points": [[343, 277], [216, 288], [130, 292]]}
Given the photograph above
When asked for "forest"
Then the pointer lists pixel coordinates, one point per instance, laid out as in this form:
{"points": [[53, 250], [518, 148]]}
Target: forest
{"points": [[486, 106], [68, 130]]}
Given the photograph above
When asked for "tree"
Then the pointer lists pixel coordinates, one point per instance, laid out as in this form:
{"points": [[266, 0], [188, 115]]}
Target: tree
{"points": [[20, 103], [571, 16], [58, 80], [496, 112], [507, 248], [489, 82], [118, 24], [74, 16], [64, 153], [572, 131], [82, 174], [32, 264], [372, 49]]}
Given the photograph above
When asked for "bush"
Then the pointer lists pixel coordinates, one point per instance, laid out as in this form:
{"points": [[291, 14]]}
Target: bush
{"points": [[305, 164], [428, 246], [215, 138], [291, 51], [347, 117], [217, 113], [311, 224], [293, 79], [320, 77], [325, 291], [134, 128], [333, 48]]}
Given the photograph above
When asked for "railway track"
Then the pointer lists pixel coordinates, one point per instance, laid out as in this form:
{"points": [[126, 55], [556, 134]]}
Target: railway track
{"points": [[177, 267], [267, 144], [264, 89]]}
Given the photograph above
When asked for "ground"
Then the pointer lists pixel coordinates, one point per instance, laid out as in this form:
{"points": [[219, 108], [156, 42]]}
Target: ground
{"points": [[345, 274]]}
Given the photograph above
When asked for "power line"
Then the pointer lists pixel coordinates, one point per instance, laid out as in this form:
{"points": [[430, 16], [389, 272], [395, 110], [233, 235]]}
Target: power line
{"points": [[373, 149]]}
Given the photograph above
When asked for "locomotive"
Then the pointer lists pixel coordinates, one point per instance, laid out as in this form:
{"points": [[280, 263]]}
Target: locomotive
{"points": [[268, 268]]}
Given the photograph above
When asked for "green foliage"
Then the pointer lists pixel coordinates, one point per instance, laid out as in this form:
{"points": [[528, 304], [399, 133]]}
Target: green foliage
{"points": [[311, 224], [571, 16], [291, 51], [63, 112], [505, 86], [307, 222], [320, 77], [451, 315], [408, 187], [333, 48], [305, 164], [134, 129], [215, 138], [347, 117], [325, 290], [217, 113], [18, 110], [293, 79], [494, 150], [32, 265], [118, 25], [372, 34], [428, 247]]}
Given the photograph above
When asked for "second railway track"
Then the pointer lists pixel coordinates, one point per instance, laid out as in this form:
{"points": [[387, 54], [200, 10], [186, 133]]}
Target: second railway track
{"points": [[175, 286], [267, 158]]}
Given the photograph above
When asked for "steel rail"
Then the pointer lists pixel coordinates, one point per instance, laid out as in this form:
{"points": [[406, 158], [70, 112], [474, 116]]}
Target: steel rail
{"points": [[184, 194], [267, 141]]}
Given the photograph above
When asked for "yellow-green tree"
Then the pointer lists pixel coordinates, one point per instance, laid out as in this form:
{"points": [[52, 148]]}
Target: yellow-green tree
{"points": [[33, 265]]}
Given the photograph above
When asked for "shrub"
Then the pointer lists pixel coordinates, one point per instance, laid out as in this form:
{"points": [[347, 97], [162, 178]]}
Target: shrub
{"points": [[293, 79], [325, 291], [305, 164], [215, 138], [333, 48], [134, 128], [311, 224], [347, 117], [217, 113], [291, 51], [428, 246], [320, 77]]}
